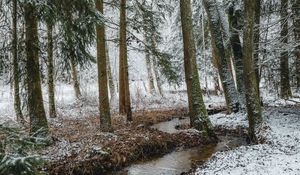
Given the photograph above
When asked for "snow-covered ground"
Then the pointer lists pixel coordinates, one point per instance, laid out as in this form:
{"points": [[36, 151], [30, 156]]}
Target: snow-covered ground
{"points": [[280, 154], [68, 106]]}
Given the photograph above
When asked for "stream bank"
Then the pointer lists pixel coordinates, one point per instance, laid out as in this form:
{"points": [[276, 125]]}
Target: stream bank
{"points": [[95, 152]]}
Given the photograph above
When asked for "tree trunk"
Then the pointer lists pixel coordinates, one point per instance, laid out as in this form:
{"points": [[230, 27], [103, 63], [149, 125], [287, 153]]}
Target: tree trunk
{"points": [[75, 78], [230, 91], [252, 97], [124, 91], [16, 74], [197, 110], [149, 65], [51, 86], [36, 109], [105, 120], [285, 88], [296, 23], [109, 74], [256, 41], [236, 45]]}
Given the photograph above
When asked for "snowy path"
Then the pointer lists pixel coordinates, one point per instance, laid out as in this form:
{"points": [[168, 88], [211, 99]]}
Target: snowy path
{"points": [[280, 154]]}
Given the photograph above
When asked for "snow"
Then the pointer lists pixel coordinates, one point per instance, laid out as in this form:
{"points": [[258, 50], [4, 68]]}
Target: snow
{"points": [[231, 121], [69, 107], [280, 154]]}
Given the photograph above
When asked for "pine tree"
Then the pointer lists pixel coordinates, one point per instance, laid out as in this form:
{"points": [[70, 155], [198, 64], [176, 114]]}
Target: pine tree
{"points": [[296, 24], [36, 109], [197, 110], [252, 98], [124, 91], [105, 120], [256, 41], [285, 88], [50, 66], [16, 74]]}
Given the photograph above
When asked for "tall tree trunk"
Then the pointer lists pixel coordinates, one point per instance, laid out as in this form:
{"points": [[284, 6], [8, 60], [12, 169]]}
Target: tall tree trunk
{"points": [[16, 74], [230, 91], [285, 88], [36, 109], [109, 74], [256, 41], [105, 120], [149, 65], [236, 45], [197, 110], [51, 86], [74, 73], [155, 65], [252, 97], [296, 23], [124, 91]]}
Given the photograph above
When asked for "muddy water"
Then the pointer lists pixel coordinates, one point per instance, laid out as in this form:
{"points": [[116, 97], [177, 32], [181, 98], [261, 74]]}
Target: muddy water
{"points": [[180, 161]]}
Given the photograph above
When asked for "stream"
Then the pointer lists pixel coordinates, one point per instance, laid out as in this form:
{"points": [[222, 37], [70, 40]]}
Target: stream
{"points": [[180, 161]]}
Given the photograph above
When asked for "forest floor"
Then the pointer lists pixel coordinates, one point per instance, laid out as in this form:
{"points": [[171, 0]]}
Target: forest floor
{"points": [[80, 146]]}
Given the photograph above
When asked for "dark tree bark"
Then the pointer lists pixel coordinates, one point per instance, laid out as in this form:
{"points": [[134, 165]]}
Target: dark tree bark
{"points": [[36, 109], [197, 110], [16, 73], [296, 24], [256, 41], [51, 86], [252, 97], [285, 88], [105, 120], [124, 91], [234, 27]]}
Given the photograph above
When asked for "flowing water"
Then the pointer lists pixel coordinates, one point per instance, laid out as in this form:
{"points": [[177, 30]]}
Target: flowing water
{"points": [[180, 161]]}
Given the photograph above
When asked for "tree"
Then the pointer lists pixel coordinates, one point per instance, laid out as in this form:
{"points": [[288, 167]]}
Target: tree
{"points": [[252, 97], [105, 120], [111, 82], [16, 73], [36, 109], [197, 110], [124, 91], [51, 86], [234, 16], [256, 41], [216, 26], [285, 88], [296, 23]]}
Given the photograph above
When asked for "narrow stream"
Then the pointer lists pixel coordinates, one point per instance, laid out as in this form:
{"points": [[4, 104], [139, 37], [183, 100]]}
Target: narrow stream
{"points": [[180, 161]]}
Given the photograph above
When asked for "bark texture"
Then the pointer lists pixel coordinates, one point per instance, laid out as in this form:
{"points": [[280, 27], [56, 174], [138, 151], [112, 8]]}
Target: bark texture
{"points": [[285, 88], [36, 109], [296, 24], [16, 73], [197, 110], [252, 97], [105, 120], [51, 86], [124, 92], [256, 41], [215, 24], [236, 45]]}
